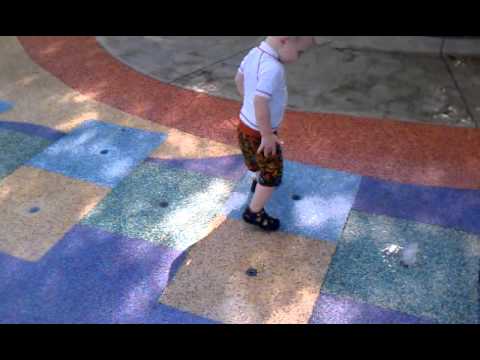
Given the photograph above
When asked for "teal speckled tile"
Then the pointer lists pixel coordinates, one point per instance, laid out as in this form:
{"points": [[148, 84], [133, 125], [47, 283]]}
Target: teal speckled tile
{"points": [[17, 148], [164, 205], [442, 285]]}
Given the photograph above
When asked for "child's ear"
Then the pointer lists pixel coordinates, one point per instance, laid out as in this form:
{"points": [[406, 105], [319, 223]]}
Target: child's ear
{"points": [[283, 40]]}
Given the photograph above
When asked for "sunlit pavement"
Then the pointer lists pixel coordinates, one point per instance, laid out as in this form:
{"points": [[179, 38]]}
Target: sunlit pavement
{"points": [[121, 187]]}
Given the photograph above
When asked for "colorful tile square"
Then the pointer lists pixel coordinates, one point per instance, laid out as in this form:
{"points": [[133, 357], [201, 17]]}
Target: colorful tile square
{"points": [[98, 152], [16, 149], [39, 207], [326, 197], [35, 130], [92, 276], [162, 314], [331, 309], [442, 285], [240, 275], [227, 167], [452, 208], [164, 205], [5, 106]]}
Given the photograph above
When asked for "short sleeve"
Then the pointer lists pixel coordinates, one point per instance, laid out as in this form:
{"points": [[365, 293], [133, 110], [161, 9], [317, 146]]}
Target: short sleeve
{"points": [[268, 80], [241, 67]]}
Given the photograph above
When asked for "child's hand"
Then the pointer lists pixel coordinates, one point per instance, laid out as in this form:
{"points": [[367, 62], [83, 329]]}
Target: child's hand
{"points": [[269, 145]]}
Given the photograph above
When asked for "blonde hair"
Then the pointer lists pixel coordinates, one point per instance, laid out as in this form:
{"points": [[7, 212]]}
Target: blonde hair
{"points": [[293, 38], [298, 38]]}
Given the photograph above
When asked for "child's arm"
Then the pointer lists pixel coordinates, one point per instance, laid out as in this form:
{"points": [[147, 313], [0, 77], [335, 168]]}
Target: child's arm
{"points": [[239, 83], [262, 114]]}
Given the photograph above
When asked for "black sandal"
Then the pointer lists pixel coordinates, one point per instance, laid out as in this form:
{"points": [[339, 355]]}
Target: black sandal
{"points": [[261, 219]]}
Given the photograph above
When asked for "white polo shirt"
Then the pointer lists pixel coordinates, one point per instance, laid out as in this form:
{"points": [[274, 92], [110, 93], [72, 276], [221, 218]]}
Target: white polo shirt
{"points": [[264, 75]]}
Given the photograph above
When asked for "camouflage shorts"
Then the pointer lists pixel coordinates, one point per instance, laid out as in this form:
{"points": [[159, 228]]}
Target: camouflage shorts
{"points": [[271, 168]]}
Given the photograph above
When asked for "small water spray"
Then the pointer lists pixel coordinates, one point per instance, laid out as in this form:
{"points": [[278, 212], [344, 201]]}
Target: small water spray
{"points": [[409, 255], [392, 250]]}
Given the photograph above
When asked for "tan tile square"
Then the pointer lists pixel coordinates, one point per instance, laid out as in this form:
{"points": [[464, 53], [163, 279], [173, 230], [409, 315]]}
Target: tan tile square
{"points": [[61, 203], [213, 282]]}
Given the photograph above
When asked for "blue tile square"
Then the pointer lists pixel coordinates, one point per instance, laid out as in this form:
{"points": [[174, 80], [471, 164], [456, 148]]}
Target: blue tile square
{"points": [[98, 152], [326, 197], [5, 106], [442, 285]]}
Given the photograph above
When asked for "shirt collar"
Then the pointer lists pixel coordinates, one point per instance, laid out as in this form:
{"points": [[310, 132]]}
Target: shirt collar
{"points": [[269, 50]]}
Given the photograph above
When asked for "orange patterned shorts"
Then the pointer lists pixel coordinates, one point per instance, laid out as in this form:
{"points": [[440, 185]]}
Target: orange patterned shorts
{"points": [[271, 168]]}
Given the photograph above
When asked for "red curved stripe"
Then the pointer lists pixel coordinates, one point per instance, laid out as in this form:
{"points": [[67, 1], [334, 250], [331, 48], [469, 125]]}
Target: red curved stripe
{"points": [[405, 152]]}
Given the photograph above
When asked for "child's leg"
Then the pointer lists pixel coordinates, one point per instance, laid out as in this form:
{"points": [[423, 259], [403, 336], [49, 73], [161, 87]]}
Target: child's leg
{"points": [[268, 178], [260, 197], [268, 175]]}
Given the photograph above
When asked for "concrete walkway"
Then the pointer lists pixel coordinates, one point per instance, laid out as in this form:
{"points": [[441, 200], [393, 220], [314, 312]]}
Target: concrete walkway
{"points": [[432, 45], [408, 80]]}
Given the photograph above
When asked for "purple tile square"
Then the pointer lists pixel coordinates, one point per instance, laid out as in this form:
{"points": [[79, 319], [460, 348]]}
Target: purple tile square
{"points": [[330, 309], [226, 167], [164, 314], [33, 130], [452, 208], [92, 276]]}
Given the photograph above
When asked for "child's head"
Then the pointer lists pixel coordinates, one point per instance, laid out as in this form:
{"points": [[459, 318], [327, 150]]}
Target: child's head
{"points": [[290, 48]]}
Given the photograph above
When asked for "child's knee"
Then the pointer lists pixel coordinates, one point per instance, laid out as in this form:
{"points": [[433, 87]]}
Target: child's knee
{"points": [[274, 184]]}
